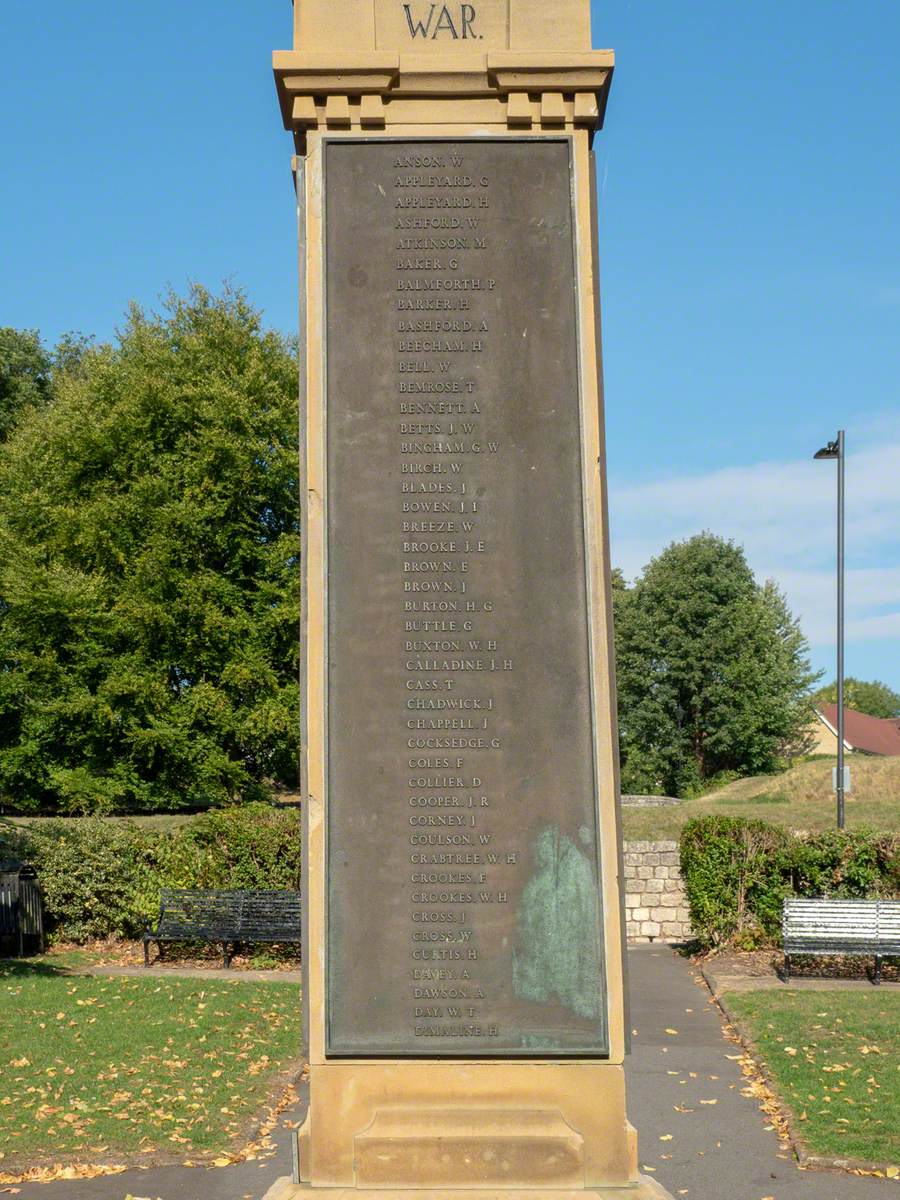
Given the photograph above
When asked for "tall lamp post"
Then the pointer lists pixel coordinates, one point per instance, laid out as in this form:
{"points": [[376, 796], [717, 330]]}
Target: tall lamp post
{"points": [[836, 450]]}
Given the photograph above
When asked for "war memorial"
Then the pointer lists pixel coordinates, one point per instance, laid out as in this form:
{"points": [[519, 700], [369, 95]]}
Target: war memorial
{"points": [[463, 937]]}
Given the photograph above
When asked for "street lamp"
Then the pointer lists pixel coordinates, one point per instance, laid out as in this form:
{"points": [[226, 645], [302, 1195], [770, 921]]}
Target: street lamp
{"points": [[836, 450]]}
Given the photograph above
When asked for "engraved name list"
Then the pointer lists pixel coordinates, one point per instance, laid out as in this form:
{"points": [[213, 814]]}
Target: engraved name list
{"points": [[463, 899]]}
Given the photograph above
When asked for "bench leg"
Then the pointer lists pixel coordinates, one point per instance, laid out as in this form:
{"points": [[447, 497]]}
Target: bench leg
{"points": [[226, 955], [877, 969], [146, 952], [787, 967]]}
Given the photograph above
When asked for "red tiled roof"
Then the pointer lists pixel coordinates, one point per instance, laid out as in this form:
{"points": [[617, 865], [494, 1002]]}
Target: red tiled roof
{"points": [[872, 735]]}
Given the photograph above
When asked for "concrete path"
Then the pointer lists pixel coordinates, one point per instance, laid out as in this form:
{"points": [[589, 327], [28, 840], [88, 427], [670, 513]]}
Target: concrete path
{"points": [[718, 1151], [722, 981], [721, 1150], [246, 1181]]}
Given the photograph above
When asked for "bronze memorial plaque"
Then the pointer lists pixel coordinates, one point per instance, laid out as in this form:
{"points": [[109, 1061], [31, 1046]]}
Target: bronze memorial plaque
{"points": [[463, 913]]}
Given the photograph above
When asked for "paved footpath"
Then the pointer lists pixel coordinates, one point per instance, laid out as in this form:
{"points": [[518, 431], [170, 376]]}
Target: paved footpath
{"points": [[718, 1151]]}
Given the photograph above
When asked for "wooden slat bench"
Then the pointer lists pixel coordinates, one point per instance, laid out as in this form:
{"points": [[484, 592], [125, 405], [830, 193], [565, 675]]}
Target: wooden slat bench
{"points": [[870, 928], [229, 917]]}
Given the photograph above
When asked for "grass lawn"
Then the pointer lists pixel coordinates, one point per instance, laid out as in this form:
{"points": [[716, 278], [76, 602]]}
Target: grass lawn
{"points": [[94, 1066], [835, 1058], [800, 798]]}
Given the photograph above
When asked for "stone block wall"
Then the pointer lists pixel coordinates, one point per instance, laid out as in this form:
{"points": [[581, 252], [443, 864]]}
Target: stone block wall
{"points": [[655, 907]]}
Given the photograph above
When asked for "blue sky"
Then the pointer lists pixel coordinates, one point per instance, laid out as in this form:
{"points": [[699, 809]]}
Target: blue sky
{"points": [[750, 243]]}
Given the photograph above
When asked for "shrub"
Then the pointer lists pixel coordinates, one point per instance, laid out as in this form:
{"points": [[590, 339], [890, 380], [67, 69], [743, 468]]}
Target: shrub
{"points": [[90, 872], [737, 872], [841, 863], [254, 846], [102, 877]]}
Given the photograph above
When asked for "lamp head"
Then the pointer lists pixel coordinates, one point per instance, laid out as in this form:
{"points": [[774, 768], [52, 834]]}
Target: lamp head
{"points": [[829, 451]]}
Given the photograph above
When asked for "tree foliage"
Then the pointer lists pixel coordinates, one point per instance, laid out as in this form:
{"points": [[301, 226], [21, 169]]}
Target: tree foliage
{"points": [[29, 371], [149, 593], [872, 697], [713, 674], [25, 374]]}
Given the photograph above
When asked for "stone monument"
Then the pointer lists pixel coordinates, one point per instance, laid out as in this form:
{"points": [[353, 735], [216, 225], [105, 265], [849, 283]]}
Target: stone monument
{"points": [[463, 947]]}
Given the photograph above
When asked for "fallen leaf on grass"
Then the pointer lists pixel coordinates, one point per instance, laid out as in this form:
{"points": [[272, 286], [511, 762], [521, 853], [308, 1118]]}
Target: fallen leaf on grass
{"points": [[57, 1171]]}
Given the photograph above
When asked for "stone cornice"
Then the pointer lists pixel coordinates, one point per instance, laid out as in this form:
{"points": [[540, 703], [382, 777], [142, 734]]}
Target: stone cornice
{"points": [[550, 88]]}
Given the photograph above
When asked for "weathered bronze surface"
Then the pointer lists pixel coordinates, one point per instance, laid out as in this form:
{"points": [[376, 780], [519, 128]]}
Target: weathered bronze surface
{"points": [[463, 908]]}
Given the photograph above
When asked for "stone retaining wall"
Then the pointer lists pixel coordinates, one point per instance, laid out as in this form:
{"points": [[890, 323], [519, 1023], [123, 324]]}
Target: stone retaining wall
{"points": [[655, 907], [632, 801]]}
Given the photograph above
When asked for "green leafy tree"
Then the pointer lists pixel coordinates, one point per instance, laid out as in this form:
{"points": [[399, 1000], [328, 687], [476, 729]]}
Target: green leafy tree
{"points": [[25, 373], [712, 669], [874, 698], [149, 593], [29, 372]]}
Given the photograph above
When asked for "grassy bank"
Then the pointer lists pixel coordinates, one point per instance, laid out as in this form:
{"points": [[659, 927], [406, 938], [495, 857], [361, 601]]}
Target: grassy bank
{"points": [[93, 1067], [800, 798]]}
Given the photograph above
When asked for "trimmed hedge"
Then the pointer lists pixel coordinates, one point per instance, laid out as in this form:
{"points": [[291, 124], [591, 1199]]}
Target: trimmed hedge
{"points": [[102, 877], [737, 872]]}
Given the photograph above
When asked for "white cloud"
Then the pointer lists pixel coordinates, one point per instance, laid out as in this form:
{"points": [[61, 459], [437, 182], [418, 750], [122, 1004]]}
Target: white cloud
{"points": [[783, 514]]}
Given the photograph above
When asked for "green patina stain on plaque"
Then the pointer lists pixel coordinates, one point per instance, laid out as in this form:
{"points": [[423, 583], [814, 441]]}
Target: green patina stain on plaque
{"points": [[558, 955]]}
